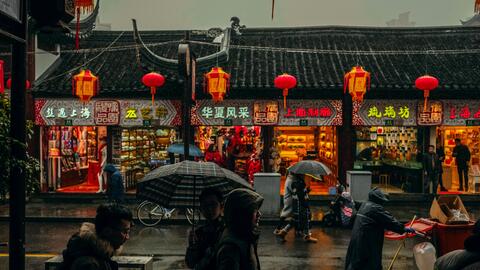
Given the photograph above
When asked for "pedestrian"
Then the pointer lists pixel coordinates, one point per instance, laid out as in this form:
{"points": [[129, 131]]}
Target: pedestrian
{"points": [[365, 248], [463, 259], [93, 246], [237, 249], [296, 210], [202, 242], [115, 187], [431, 169], [441, 159], [462, 157]]}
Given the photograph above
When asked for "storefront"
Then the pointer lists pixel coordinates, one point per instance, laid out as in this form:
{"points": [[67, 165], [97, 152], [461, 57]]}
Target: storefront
{"points": [[233, 134], [461, 120], [389, 143], [78, 139]]}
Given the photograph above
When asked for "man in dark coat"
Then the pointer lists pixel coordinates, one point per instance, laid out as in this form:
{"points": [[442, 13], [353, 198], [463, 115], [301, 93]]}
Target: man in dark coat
{"points": [[441, 159], [462, 157], [431, 169], [365, 248], [463, 259], [201, 243], [237, 249], [115, 187], [94, 245]]}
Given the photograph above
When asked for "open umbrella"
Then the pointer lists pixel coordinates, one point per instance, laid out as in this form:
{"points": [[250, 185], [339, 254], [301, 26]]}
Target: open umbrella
{"points": [[178, 148], [177, 185], [312, 167]]}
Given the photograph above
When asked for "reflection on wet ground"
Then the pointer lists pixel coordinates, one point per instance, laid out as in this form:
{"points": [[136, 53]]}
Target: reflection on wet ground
{"points": [[167, 244]]}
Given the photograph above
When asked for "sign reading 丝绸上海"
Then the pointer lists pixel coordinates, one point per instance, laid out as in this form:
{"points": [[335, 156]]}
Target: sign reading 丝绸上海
{"points": [[142, 113], [102, 112], [64, 112], [384, 112], [233, 112], [311, 113], [461, 112]]}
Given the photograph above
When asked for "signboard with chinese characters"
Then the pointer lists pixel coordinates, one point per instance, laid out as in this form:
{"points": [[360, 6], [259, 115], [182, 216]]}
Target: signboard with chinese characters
{"points": [[101, 112], [142, 113], [460, 112], [234, 112], [265, 113], [385, 112], [311, 113], [432, 116], [63, 112]]}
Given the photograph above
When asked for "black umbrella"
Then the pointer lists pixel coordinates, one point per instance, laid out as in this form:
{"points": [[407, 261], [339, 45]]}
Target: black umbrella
{"points": [[309, 167], [176, 185]]}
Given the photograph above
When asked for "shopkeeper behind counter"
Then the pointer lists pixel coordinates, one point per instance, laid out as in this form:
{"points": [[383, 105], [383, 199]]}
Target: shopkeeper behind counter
{"points": [[366, 154]]}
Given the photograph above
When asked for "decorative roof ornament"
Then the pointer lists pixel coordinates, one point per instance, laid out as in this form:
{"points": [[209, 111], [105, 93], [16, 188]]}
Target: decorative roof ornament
{"points": [[236, 27]]}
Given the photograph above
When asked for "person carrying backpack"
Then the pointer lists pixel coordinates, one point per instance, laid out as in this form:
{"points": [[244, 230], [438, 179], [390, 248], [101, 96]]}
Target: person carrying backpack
{"points": [[237, 249]]}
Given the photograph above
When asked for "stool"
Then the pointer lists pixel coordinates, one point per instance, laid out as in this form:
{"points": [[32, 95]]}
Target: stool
{"points": [[384, 181]]}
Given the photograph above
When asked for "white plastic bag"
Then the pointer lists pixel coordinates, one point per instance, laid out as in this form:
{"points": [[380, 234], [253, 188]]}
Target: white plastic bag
{"points": [[425, 255]]}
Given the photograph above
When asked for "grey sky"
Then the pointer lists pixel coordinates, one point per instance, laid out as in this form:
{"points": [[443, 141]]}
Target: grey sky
{"points": [[204, 14]]}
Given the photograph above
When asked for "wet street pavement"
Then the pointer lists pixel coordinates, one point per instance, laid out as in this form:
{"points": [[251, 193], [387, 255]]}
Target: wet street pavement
{"points": [[167, 244]]}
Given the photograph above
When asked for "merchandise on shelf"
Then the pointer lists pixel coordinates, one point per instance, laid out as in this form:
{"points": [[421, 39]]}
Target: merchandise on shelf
{"points": [[470, 136]]}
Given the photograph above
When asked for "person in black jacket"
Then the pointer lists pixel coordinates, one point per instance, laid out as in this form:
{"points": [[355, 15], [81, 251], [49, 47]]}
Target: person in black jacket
{"points": [[237, 249], [462, 157], [365, 248], [115, 187], [201, 243], [94, 245], [431, 168], [441, 159], [463, 259]]}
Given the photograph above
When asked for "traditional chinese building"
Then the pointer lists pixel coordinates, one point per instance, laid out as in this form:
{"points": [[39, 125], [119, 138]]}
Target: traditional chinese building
{"points": [[319, 121]]}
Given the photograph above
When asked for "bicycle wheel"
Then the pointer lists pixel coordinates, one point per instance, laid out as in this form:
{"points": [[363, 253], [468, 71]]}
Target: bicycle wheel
{"points": [[189, 215], [150, 214]]}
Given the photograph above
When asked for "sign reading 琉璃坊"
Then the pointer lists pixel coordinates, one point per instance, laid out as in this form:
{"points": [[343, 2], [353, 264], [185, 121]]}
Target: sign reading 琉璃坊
{"points": [[384, 112]]}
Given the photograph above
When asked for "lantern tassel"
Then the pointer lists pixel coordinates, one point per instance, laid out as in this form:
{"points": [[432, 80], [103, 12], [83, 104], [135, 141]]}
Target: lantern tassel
{"points": [[153, 90], [285, 94], [425, 95]]}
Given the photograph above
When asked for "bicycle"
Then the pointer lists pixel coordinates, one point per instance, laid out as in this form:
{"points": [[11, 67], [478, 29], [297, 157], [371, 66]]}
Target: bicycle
{"points": [[150, 213]]}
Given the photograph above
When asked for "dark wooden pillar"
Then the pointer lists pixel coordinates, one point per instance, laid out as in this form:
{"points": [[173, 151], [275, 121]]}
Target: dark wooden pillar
{"points": [[267, 136], [346, 140]]}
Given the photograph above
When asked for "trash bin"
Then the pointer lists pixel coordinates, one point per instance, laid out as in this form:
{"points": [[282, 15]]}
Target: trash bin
{"points": [[268, 185], [450, 237], [359, 184]]}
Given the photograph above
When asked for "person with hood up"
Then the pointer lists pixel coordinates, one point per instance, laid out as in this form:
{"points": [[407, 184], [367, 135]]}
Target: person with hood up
{"points": [[463, 259], [365, 248], [115, 188], [237, 249], [94, 245]]}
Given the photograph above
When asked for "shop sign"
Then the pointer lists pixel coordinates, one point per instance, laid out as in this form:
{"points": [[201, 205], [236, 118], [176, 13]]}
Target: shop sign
{"points": [[207, 112], [384, 112], [64, 112], [142, 113], [311, 113], [107, 112], [265, 113], [432, 116], [461, 112]]}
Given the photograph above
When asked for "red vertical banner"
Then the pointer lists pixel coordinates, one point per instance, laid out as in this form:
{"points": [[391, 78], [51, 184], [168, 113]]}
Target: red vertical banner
{"points": [[2, 78]]}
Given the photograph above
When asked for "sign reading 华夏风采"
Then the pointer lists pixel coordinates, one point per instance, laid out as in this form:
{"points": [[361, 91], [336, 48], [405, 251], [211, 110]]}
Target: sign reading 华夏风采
{"points": [[232, 112]]}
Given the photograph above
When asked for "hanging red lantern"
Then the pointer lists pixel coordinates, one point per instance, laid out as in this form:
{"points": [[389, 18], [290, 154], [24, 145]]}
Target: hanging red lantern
{"points": [[216, 83], [9, 84], [358, 82], [2, 83], [85, 7], [426, 84], [85, 85], [153, 80], [285, 82]]}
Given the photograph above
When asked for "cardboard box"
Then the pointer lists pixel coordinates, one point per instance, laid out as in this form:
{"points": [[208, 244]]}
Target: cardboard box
{"points": [[441, 209]]}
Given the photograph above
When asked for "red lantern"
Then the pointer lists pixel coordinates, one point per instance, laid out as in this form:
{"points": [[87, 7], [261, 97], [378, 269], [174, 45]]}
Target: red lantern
{"points": [[2, 83], [358, 82], [477, 6], [85, 85], [217, 83], [285, 82], [153, 80], [9, 84], [81, 6], [426, 84]]}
